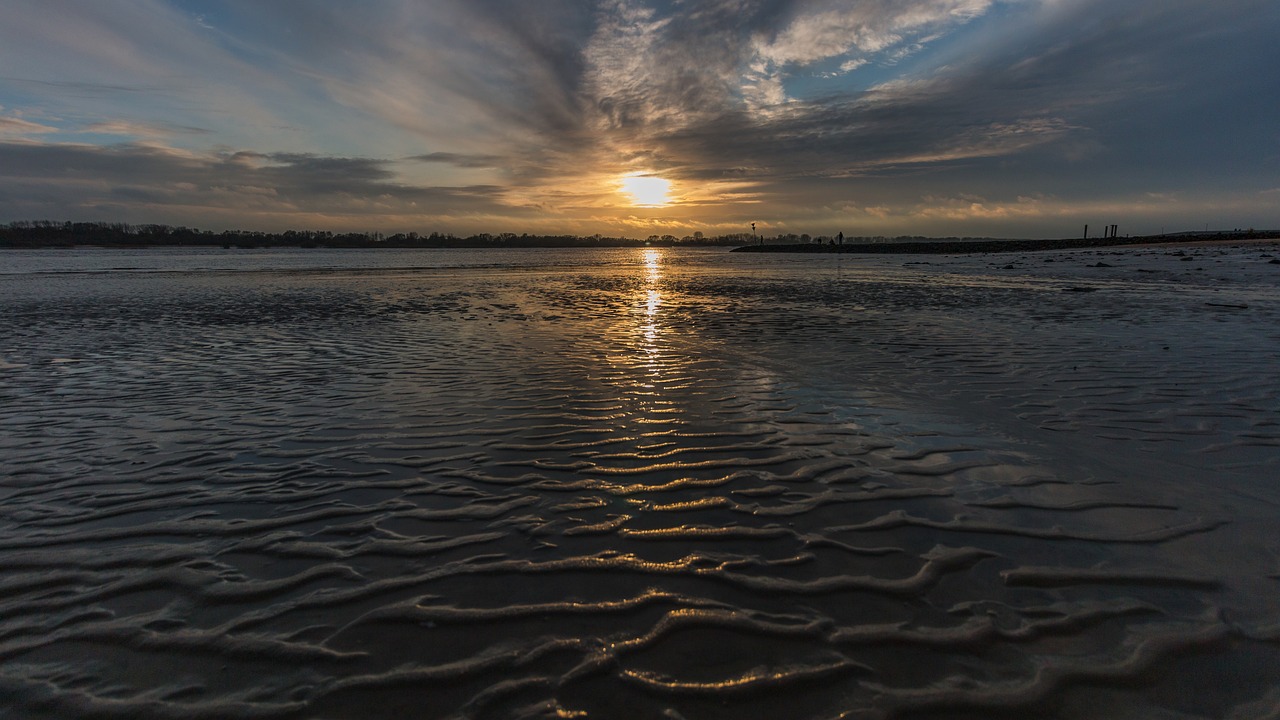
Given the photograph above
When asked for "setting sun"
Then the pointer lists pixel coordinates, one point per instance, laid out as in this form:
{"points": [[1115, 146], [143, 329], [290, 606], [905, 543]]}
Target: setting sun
{"points": [[646, 190]]}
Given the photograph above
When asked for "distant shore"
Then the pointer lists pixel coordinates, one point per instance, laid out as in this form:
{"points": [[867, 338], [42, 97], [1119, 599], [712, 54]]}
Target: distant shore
{"points": [[48, 234], [956, 247]]}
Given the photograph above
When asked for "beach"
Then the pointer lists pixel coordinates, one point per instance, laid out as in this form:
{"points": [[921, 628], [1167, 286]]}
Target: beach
{"points": [[640, 483]]}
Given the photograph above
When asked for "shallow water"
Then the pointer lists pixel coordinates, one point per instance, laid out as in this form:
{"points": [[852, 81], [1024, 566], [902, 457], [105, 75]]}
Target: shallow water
{"points": [[639, 483]]}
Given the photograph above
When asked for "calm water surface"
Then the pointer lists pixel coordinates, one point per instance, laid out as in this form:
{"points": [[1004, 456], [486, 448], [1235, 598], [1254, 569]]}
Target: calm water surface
{"points": [[638, 483]]}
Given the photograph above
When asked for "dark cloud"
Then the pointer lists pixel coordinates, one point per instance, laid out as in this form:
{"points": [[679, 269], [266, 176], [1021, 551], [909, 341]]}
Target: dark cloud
{"points": [[460, 160], [1075, 90], [37, 179]]}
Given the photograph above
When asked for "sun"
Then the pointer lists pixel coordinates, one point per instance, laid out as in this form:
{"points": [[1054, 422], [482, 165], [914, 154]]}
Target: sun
{"points": [[647, 190]]}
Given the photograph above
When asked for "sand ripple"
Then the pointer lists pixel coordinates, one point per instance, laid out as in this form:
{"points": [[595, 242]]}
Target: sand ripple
{"points": [[663, 486]]}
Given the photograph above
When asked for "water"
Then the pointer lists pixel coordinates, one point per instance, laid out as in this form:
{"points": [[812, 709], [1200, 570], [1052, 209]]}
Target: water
{"points": [[637, 483]]}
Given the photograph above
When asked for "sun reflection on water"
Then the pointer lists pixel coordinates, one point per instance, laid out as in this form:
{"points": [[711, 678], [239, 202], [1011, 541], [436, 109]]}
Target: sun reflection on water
{"points": [[651, 313], [653, 264], [646, 360], [653, 300]]}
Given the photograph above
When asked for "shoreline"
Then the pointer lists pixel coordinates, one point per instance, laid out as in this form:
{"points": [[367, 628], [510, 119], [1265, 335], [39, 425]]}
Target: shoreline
{"points": [[961, 247]]}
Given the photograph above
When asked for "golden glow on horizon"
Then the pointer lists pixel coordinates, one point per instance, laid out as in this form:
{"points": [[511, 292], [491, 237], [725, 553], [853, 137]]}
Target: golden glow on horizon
{"points": [[647, 190]]}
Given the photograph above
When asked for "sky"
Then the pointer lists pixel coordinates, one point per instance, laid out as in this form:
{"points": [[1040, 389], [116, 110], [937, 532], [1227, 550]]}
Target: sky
{"points": [[1001, 118]]}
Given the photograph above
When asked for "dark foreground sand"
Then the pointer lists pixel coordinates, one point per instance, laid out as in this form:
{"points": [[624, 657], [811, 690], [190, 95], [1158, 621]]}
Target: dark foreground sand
{"points": [[659, 484]]}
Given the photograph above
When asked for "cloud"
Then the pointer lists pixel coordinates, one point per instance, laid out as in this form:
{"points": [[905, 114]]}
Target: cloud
{"points": [[141, 129], [786, 109], [707, 83], [460, 160], [835, 28], [17, 127], [74, 88], [279, 189], [992, 104], [143, 62], [449, 76]]}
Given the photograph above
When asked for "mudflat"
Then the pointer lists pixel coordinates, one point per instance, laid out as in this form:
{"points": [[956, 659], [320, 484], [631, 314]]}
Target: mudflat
{"points": [[640, 483]]}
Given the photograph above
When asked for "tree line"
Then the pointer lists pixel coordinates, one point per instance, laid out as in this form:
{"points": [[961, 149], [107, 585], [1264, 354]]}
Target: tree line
{"points": [[49, 233]]}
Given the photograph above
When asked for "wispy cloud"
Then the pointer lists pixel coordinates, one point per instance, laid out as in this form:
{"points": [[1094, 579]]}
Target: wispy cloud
{"points": [[460, 160], [141, 129], [17, 127]]}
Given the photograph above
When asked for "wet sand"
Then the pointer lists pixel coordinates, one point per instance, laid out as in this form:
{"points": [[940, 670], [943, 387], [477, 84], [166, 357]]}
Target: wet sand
{"points": [[653, 484]]}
